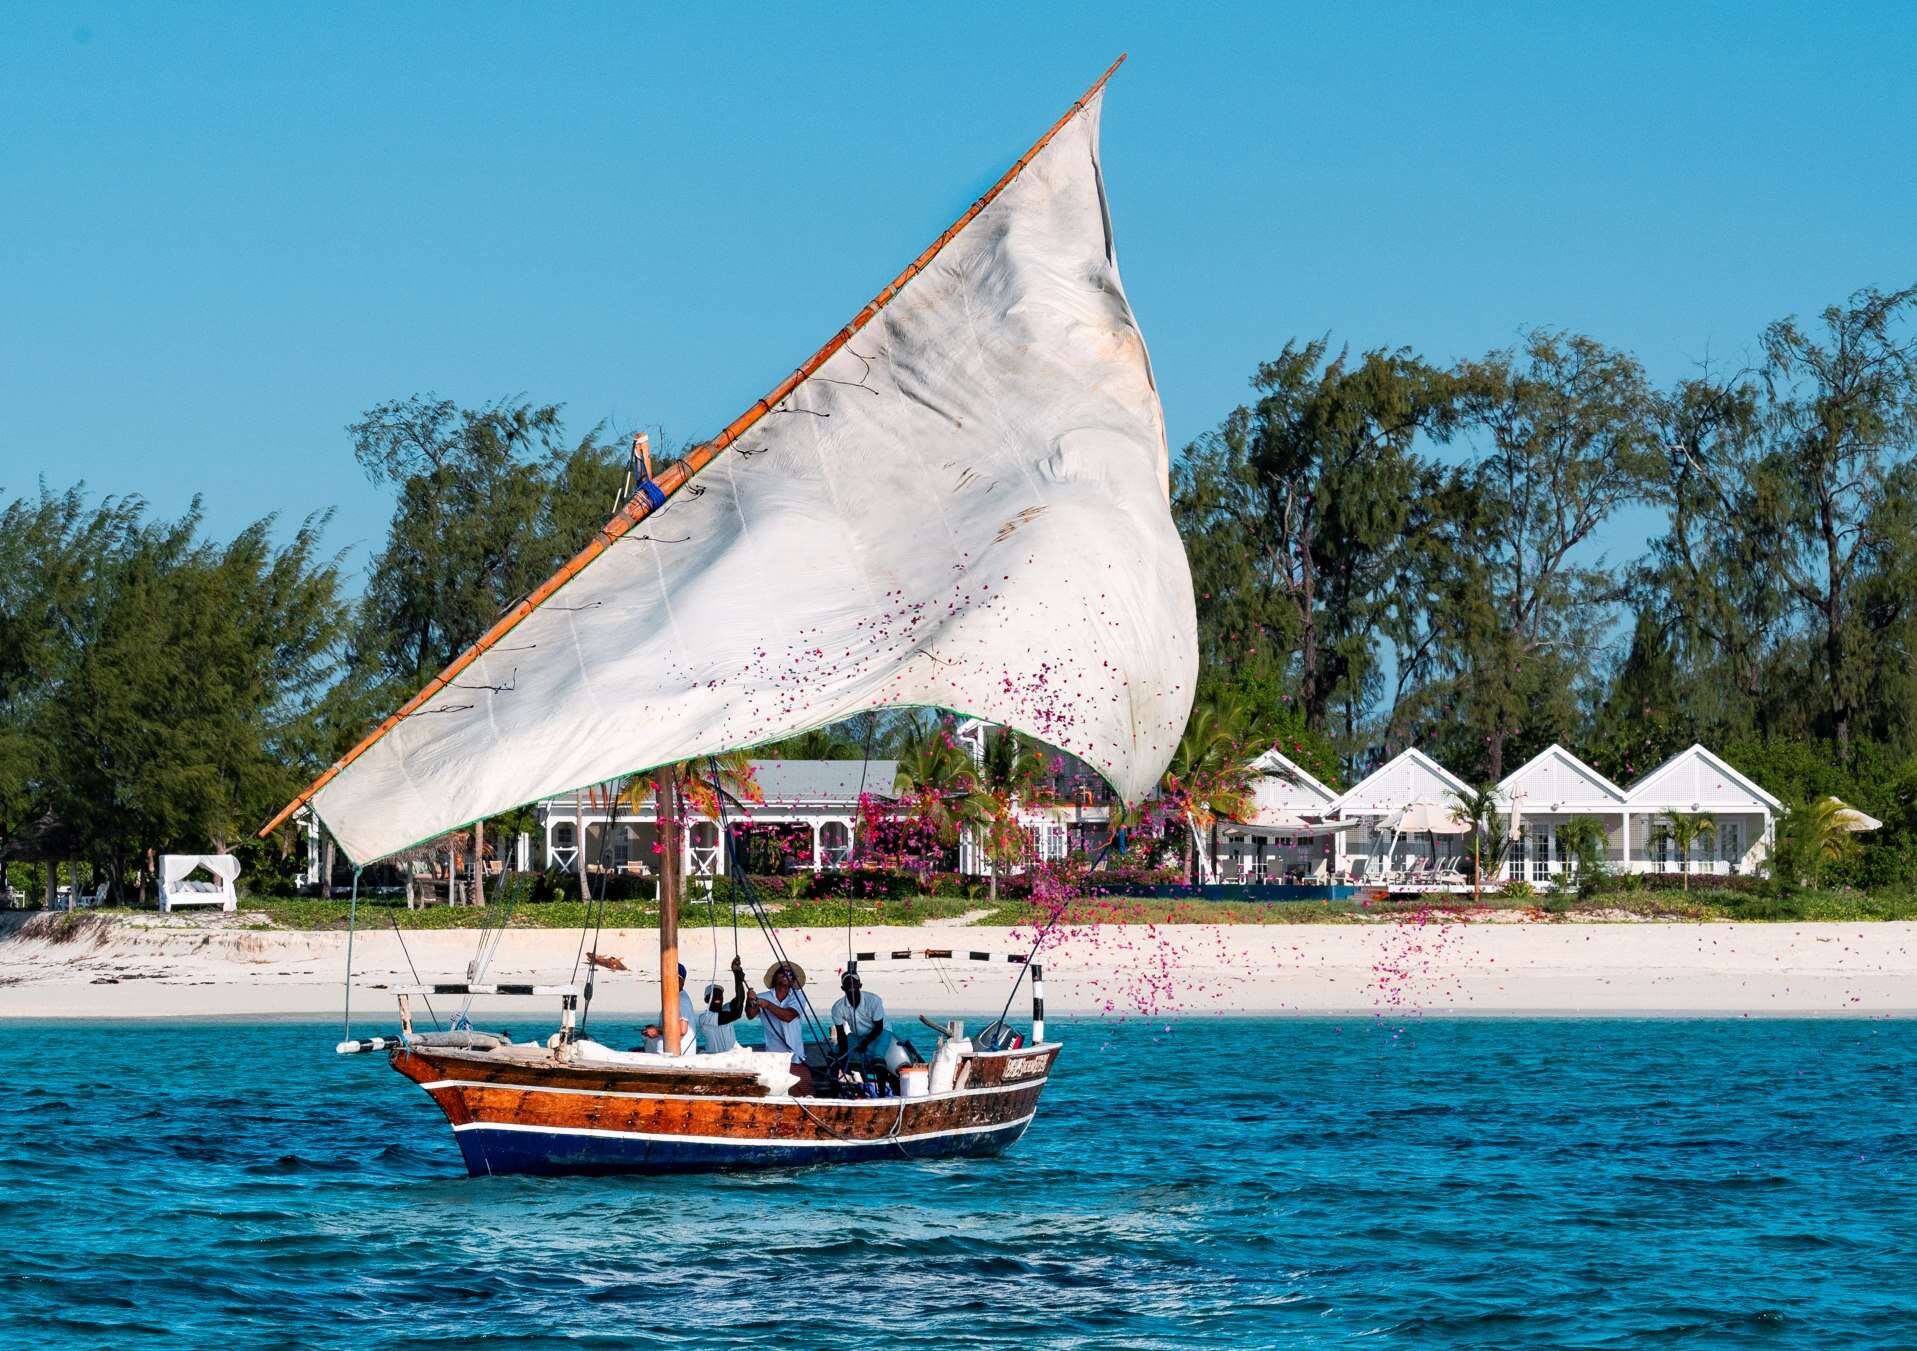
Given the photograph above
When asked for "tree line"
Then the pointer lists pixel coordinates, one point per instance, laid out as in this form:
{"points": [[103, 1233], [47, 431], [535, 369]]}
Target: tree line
{"points": [[1416, 554], [1386, 552], [164, 692]]}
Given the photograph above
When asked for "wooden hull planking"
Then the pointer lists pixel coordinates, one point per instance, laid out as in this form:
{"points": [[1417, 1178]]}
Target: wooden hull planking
{"points": [[543, 1116]]}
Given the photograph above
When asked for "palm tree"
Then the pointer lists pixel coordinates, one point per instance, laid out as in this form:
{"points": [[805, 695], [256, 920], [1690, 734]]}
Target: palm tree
{"points": [[1681, 830], [676, 789], [821, 743], [1581, 841], [1480, 809], [1011, 773], [938, 777], [1210, 776], [1811, 835]]}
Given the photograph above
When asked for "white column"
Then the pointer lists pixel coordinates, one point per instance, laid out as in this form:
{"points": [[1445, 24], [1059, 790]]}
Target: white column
{"points": [[1624, 856], [818, 859]]}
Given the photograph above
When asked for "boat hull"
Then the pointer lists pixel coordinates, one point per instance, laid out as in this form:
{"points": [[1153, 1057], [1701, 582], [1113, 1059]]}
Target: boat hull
{"points": [[556, 1118]]}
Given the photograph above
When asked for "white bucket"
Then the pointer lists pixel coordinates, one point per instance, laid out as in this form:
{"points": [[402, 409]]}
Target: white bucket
{"points": [[915, 1081]]}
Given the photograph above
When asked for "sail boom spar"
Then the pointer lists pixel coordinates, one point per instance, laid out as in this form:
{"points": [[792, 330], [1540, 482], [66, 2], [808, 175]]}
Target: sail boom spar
{"points": [[676, 476]]}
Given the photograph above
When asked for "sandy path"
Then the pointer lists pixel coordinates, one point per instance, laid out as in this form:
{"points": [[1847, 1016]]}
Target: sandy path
{"points": [[202, 967]]}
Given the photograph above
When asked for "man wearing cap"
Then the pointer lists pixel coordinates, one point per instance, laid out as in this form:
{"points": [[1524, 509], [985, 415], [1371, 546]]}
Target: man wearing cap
{"points": [[714, 1023], [780, 1010], [861, 1018], [688, 1041]]}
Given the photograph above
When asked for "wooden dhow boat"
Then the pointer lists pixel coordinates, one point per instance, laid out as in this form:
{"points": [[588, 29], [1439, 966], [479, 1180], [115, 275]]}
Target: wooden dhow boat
{"points": [[575, 1106], [959, 501]]}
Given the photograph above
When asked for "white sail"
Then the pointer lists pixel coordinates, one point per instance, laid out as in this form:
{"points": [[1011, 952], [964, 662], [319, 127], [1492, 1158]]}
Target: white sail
{"points": [[965, 506]]}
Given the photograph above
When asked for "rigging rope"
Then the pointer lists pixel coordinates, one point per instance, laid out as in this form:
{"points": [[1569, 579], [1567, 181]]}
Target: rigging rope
{"points": [[401, 936], [1026, 965], [605, 892], [743, 881], [490, 936], [852, 841]]}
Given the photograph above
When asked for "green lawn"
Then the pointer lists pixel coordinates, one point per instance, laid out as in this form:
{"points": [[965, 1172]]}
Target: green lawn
{"points": [[1662, 904]]}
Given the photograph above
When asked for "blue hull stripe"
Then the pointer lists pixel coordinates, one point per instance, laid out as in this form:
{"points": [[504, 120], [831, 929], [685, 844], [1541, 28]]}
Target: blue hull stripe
{"points": [[491, 1149]]}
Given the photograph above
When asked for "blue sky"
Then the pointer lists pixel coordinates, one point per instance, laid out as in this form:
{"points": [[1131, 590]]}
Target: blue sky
{"points": [[227, 230]]}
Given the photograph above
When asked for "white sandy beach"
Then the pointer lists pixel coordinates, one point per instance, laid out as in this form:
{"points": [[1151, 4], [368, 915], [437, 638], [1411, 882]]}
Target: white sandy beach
{"points": [[199, 966]]}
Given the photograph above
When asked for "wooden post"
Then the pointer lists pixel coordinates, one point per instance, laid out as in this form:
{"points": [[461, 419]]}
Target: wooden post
{"points": [[666, 816], [479, 863]]}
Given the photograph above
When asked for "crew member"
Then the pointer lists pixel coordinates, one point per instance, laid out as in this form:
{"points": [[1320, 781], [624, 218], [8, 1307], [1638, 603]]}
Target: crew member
{"points": [[861, 1018], [687, 1039], [780, 1010], [714, 1023]]}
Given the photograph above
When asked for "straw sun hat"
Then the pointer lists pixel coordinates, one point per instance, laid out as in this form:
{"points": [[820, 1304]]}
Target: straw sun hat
{"points": [[798, 974]]}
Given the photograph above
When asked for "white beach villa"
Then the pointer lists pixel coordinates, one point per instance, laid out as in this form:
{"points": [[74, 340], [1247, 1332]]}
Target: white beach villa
{"points": [[813, 803], [1398, 820], [1291, 833]]}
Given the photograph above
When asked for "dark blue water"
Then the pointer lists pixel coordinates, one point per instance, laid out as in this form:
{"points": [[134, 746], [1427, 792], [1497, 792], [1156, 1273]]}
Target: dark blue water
{"points": [[1247, 1183]]}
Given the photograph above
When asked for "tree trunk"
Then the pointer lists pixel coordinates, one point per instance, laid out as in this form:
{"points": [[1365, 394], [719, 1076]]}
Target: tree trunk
{"points": [[479, 863], [579, 843], [406, 869], [326, 868]]}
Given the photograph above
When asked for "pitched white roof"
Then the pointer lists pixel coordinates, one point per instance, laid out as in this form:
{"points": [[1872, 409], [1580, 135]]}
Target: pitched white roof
{"points": [[1555, 780], [1410, 777], [1286, 784], [1696, 780]]}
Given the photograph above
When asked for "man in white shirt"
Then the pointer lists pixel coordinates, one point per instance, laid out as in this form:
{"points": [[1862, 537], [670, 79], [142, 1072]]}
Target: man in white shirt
{"points": [[860, 1018], [714, 1023], [780, 1010]]}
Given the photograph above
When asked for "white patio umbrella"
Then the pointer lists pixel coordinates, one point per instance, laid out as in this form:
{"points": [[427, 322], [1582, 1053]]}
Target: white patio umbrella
{"points": [[1849, 818], [1422, 818], [1428, 818]]}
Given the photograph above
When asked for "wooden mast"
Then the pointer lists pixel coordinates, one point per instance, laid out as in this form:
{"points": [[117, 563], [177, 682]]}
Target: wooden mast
{"points": [[675, 476], [666, 817]]}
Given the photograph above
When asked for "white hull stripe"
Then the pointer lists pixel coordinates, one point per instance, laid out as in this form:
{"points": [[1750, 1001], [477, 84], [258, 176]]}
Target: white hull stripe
{"points": [[889, 1104], [593, 1133]]}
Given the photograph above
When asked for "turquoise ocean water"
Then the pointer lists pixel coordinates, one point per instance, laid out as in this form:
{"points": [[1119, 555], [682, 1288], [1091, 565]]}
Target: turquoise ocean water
{"points": [[1200, 1183]]}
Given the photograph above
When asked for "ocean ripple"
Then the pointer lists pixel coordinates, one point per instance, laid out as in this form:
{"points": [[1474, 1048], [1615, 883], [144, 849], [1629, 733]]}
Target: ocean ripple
{"points": [[1310, 1182]]}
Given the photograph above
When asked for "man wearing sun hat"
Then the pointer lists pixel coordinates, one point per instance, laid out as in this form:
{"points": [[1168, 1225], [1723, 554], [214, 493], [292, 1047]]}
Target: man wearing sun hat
{"points": [[780, 1009]]}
